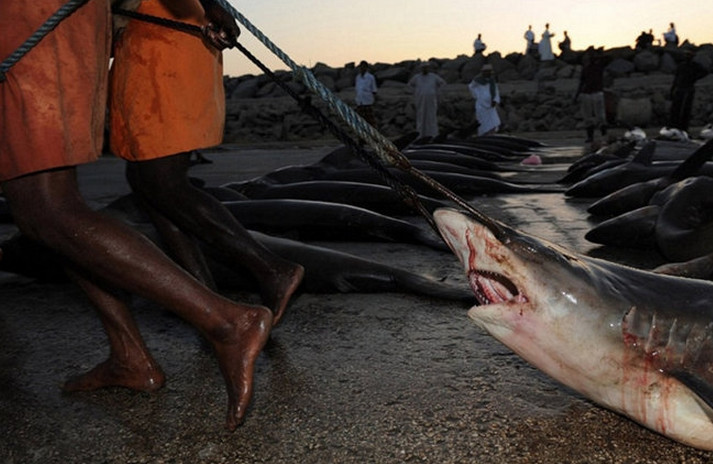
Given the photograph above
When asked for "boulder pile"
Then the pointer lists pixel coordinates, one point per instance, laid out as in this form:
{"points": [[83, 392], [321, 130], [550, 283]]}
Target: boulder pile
{"points": [[536, 96]]}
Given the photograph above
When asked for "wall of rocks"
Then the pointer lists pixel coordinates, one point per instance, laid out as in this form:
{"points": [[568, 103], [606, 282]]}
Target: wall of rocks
{"points": [[535, 96]]}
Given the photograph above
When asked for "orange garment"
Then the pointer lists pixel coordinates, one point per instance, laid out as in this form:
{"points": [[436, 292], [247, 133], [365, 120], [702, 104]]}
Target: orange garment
{"points": [[166, 87], [52, 105]]}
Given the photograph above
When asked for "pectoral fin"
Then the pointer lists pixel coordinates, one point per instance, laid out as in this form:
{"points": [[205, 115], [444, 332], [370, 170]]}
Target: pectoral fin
{"points": [[696, 384]]}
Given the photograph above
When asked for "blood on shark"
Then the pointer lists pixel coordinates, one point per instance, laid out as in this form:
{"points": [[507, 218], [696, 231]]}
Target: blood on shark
{"points": [[636, 342]]}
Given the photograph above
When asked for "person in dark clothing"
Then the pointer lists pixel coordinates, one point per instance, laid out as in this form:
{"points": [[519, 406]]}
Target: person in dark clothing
{"points": [[645, 40], [566, 44], [683, 90], [591, 90]]}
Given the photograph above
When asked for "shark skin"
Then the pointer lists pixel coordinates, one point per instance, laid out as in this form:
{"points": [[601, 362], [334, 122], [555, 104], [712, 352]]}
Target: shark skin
{"points": [[635, 342]]}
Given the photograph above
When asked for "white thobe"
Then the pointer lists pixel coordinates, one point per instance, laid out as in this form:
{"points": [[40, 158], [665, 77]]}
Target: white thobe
{"points": [[485, 112], [365, 88], [530, 38], [425, 88], [545, 47]]}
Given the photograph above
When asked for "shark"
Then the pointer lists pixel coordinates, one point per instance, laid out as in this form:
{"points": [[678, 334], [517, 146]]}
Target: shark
{"points": [[636, 342]]}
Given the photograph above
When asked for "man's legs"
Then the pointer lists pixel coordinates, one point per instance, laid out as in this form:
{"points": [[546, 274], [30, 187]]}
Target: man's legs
{"points": [[47, 207], [163, 183], [129, 364]]}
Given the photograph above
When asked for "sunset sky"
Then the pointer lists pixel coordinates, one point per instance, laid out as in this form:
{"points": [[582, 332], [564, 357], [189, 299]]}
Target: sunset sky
{"points": [[336, 32]]}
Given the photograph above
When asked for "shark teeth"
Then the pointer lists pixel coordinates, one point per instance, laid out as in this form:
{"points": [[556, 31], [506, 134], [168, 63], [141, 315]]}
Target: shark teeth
{"points": [[490, 287]]}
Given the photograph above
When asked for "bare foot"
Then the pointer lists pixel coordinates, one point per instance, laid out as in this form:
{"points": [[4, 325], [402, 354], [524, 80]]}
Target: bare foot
{"points": [[276, 293], [147, 377], [237, 348]]}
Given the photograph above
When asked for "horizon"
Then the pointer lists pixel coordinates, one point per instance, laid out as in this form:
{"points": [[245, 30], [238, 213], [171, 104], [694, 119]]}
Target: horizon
{"points": [[339, 32]]}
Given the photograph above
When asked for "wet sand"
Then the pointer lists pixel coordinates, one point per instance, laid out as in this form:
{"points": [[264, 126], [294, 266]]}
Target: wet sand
{"points": [[346, 378]]}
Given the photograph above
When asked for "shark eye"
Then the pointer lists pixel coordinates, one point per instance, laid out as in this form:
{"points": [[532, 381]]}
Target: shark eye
{"points": [[490, 287]]}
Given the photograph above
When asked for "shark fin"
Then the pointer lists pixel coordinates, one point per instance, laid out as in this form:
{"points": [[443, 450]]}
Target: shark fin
{"points": [[645, 155], [693, 163]]}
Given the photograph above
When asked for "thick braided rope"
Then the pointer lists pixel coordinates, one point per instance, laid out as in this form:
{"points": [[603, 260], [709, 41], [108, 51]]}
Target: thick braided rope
{"points": [[384, 148], [63, 12]]}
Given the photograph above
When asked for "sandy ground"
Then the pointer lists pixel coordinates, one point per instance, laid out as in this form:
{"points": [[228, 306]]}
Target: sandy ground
{"points": [[346, 378]]}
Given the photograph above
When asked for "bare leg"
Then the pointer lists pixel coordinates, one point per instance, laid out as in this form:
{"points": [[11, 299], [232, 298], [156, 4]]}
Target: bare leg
{"points": [[48, 208], [129, 364], [164, 184], [182, 247]]}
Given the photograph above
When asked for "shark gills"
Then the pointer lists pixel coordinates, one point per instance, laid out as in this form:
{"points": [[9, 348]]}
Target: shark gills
{"points": [[636, 342]]}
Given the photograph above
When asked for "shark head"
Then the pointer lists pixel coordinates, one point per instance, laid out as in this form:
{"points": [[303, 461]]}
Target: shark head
{"points": [[624, 338], [523, 285]]}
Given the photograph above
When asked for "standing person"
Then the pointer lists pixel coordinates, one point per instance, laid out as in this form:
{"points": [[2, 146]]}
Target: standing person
{"points": [[365, 90], [590, 91], [52, 108], [670, 38], [683, 89], [545, 46], [484, 89], [425, 86], [566, 44], [531, 45], [478, 46], [644, 41]]}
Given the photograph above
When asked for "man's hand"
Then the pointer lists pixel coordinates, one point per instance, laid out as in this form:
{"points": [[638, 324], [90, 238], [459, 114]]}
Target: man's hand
{"points": [[221, 31]]}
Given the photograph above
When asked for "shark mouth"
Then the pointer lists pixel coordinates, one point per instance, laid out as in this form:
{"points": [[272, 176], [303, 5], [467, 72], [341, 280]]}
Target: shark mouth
{"points": [[492, 288]]}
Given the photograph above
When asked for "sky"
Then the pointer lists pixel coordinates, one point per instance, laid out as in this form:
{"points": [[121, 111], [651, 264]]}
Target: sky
{"points": [[336, 32]]}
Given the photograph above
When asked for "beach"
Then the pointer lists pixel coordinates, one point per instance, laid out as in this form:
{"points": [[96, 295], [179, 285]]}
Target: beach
{"points": [[345, 378]]}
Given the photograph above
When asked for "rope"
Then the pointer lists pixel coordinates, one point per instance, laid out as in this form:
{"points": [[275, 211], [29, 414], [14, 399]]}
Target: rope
{"points": [[383, 147], [405, 192], [386, 150], [62, 13]]}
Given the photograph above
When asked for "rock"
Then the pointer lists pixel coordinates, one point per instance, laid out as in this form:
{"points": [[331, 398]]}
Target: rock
{"points": [[396, 73], [245, 89], [620, 67], [668, 64], [527, 67], [535, 96], [634, 112], [646, 61]]}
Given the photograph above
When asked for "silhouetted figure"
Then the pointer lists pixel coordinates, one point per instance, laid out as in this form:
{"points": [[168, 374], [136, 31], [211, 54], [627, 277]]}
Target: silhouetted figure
{"points": [[566, 44], [645, 40], [531, 47], [479, 46], [545, 46], [670, 37], [683, 90], [590, 92]]}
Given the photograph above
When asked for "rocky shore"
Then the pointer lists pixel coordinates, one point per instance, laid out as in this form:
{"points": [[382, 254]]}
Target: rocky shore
{"points": [[536, 96]]}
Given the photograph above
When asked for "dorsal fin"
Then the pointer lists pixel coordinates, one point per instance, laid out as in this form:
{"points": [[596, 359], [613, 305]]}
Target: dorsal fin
{"points": [[646, 154], [693, 163]]}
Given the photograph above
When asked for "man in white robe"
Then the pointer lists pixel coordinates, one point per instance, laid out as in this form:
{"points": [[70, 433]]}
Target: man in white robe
{"points": [[545, 46], [365, 93], [670, 37], [479, 46], [531, 47], [425, 87], [485, 91]]}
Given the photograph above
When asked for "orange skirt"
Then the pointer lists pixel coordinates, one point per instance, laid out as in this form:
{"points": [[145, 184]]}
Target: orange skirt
{"points": [[52, 105], [166, 87]]}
